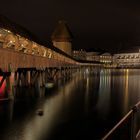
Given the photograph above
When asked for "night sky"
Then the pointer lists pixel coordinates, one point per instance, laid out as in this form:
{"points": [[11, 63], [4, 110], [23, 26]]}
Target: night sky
{"points": [[106, 24]]}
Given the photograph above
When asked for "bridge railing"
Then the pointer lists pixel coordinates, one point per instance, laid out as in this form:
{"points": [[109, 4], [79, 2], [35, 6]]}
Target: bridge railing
{"points": [[132, 114]]}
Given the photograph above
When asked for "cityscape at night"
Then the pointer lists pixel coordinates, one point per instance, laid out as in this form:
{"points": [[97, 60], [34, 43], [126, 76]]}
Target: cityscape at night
{"points": [[70, 70]]}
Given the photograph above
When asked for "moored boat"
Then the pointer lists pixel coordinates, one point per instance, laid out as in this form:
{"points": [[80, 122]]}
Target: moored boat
{"points": [[49, 85]]}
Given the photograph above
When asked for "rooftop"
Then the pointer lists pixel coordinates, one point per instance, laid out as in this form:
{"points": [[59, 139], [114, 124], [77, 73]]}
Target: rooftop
{"points": [[62, 32]]}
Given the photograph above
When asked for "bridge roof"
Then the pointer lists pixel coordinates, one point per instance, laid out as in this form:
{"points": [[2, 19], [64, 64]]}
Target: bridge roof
{"points": [[16, 28], [62, 32]]}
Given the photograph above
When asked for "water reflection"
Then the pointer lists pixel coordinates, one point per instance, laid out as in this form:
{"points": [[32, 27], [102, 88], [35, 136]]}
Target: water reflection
{"points": [[126, 94], [74, 109], [87, 96], [103, 104], [34, 127]]}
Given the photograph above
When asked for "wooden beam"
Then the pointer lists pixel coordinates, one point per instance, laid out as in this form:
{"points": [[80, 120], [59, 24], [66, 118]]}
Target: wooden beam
{"points": [[4, 77]]}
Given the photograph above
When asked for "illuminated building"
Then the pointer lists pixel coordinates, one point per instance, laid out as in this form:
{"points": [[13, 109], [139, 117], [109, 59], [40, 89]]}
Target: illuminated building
{"points": [[127, 59], [106, 58], [92, 56], [79, 54], [62, 38]]}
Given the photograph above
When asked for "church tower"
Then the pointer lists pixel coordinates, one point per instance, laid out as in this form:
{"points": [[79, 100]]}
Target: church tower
{"points": [[62, 37]]}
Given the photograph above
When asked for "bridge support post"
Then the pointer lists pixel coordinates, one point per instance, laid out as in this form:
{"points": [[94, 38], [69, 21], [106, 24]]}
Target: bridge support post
{"points": [[21, 78], [43, 78], [59, 73], [28, 78], [63, 72], [51, 74], [18, 81], [10, 85], [71, 71], [68, 72], [34, 77], [16, 77], [40, 79], [24, 78], [54, 73]]}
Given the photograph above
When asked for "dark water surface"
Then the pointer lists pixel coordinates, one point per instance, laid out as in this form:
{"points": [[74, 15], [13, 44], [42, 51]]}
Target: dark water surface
{"points": [[83, 107]]}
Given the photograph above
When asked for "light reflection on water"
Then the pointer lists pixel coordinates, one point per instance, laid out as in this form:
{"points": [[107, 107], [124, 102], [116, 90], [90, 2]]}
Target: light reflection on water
{"points": [[104, 93], [75, 109], [126, 95]]}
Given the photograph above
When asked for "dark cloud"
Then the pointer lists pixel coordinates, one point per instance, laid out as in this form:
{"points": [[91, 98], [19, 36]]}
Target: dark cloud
{"points": [[94, 23]]}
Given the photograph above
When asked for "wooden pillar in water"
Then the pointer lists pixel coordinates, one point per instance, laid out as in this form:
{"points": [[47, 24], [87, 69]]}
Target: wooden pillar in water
{"points": [[43, 77], [63, 73], [16, 79], [23, 78], [40, 79], [70, 71], [46, 75], [59, 76], [34, 77], [10, 85], [54, 74], [28, 78], [19, 78]]}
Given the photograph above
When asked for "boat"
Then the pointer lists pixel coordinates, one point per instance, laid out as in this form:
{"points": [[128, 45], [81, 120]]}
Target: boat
{"points": [[49, 85]]}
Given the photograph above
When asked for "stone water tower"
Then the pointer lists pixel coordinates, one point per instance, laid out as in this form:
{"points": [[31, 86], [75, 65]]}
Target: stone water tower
{"points": [[62, 37]]}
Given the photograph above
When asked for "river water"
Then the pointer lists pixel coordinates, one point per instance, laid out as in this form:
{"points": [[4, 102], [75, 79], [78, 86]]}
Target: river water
{"points": [[85, 106]]}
